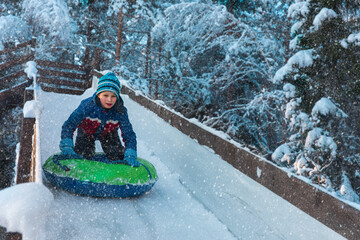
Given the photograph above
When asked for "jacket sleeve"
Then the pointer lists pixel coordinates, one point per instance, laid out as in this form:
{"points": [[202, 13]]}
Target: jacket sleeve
{"points": [[127, 132], [76, 117]]}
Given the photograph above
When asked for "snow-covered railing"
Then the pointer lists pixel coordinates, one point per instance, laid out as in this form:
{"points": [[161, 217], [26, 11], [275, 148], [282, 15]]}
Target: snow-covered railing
{"points": [[51, 76], [27, 166], [13, 83], [310, 198]]}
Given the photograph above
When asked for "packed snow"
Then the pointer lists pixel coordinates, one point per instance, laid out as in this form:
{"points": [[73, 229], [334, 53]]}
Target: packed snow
{"points": [[24, 208], [32, 109], [197, 196], [31, 70]]}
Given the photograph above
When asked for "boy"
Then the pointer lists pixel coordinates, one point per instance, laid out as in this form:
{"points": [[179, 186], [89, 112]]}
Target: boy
{"points": [[99, 118]]}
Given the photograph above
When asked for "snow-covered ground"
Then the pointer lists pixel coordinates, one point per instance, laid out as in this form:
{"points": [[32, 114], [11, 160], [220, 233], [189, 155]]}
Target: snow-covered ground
{"points": [[198, 195]]}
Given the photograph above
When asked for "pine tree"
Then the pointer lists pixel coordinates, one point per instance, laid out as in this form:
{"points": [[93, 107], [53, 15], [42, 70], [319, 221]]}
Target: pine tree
{"points": [[323, 77]]}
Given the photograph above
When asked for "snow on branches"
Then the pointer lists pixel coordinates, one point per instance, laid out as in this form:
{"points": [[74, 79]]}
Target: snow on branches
{"points": [[323, 15], [301, 59], [13, 30], [50, 18], [311, 147]]}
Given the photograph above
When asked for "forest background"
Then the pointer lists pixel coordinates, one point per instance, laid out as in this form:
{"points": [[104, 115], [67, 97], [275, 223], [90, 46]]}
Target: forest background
{"points": [[281, 77]]}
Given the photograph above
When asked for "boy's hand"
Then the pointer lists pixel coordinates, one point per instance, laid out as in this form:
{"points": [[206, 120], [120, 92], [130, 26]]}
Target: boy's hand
{"points": [[130, 157], [67, 148]]}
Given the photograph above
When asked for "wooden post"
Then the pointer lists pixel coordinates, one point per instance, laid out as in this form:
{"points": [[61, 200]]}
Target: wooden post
{"points": [[28, 95], [26, 148], [27, 129], [88, 82], [25, 155]]}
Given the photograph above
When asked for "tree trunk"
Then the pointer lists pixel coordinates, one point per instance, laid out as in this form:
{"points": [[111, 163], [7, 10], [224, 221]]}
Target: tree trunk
{"points": [[95, 63], [119, 35], [89, 29], [287, 43], [147, 61], [229, 96], [157, 80]]}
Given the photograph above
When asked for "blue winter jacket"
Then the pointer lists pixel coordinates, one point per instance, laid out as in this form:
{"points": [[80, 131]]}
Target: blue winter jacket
{"points": [[97, 122]]}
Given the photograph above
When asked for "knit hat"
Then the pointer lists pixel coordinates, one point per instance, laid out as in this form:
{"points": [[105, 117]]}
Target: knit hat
{"points": [[109, 82]]}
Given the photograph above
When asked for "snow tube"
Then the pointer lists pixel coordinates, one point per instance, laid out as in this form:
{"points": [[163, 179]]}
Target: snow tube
{"points": [[97, 178]]}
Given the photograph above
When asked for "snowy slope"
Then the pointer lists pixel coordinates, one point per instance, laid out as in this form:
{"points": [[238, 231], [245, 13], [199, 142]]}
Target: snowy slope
{"points": [[198, 195]]}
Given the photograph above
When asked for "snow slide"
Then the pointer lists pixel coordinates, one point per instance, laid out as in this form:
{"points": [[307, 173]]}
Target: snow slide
{"points": [[198, 195]]}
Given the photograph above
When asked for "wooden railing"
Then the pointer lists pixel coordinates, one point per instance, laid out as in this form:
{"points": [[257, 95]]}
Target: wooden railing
{"points": [[53, 77], [63, 78], [13, 80]]}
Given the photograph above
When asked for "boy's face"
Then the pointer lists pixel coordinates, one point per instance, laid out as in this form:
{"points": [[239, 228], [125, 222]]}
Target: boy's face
{"points": [[107, 99]]}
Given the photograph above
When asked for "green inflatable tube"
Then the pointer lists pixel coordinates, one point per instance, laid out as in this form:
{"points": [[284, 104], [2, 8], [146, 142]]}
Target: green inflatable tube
{"points": [[100, 179]]}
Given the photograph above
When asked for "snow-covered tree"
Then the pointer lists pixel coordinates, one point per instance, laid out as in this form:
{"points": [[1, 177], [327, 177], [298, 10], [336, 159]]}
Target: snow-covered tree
{"points": [[9, 7], [51, 24], [234, 61], [322, 84], [257, 123], [268, 17], [188, 37], [13, 30], [135, 20]]}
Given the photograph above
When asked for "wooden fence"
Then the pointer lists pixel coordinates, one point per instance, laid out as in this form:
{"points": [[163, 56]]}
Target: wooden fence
{"points": [[13, 84], [13, 80], [26, 162], [52, 76], [63, 78]]}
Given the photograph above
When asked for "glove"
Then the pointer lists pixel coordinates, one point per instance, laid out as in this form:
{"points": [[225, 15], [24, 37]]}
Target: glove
{"points": [[67, 148], [130, 157]]}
